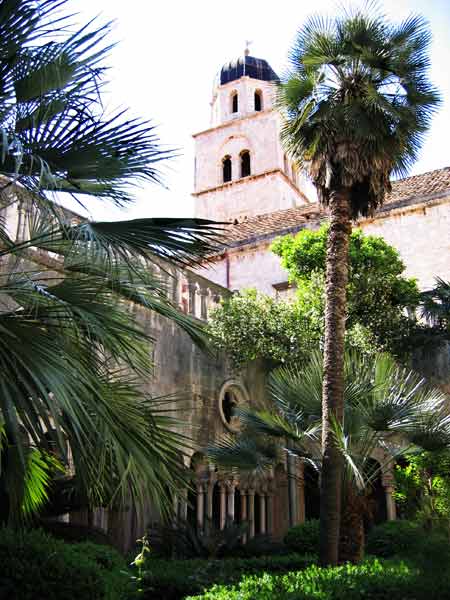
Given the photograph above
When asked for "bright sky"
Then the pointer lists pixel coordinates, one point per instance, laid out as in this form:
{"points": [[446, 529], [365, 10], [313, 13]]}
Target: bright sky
{"points": [[170, 50]]}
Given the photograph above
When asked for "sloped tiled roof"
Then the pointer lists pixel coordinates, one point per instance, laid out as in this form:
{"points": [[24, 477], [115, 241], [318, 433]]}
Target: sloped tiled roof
{"points": [[410, 190]]}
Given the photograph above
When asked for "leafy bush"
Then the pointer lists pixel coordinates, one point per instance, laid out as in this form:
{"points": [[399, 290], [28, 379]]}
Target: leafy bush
{"points": [[175, 579], [71, 532], [304, 538], [36, 566], [394, 538], [261, 545], [371, 580], [182, 540]]}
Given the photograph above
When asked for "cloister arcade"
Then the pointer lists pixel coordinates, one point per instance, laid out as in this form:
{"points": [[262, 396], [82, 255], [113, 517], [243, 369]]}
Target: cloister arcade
{"points": [[271, 503]]}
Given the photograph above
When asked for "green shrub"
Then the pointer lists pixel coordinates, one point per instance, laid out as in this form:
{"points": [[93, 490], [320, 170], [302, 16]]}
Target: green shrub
{"points": [[175, 579], [74, 532], [371, 580], [260, 546], [304, 538], [394, 538], [36, 566]]}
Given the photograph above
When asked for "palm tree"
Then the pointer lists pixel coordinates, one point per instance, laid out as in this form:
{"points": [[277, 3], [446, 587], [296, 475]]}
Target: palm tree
{"points": [[356, 104], [388, 409], [436, 305], [72, 360]]}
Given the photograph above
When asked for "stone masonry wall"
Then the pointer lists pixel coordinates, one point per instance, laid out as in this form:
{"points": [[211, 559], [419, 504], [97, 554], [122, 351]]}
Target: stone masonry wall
{"points": [[421, 233]]}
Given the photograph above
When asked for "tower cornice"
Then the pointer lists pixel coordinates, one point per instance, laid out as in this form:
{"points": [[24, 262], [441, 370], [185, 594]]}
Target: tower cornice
{"points": [[231, 122], [249, 179]]}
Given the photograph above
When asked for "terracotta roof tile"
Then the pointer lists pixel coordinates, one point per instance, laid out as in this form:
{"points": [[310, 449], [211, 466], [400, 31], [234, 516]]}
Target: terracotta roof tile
{"points": [[404, 191]]}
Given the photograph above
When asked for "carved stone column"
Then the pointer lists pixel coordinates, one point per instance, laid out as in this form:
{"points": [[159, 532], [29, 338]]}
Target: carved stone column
{"points": [[270, 505], [301, 492], [230, 501], [200, 506], [176, 508], [251, 513], [223, 510], [175, 288], [204, 293], [391, 509], [292, 488], [262, 512], [244, 512], [209, 501], [389, 488], [192, 287]]}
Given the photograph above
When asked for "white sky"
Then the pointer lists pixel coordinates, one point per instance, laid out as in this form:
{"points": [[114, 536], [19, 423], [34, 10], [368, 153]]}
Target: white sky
{"points": [[169, 52]]}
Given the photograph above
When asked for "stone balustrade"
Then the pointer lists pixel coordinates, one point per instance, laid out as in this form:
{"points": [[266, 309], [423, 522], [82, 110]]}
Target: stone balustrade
{"points": [[195, 295]]}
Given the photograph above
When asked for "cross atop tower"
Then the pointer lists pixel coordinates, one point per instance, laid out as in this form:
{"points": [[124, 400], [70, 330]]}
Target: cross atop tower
{"points": [[247, 47]]}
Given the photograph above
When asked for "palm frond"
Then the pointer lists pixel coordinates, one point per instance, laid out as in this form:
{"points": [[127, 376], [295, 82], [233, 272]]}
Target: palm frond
{"points": [[356, 95], [246, 453]]}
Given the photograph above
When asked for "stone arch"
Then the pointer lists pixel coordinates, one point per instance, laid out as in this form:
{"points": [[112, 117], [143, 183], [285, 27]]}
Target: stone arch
{"points": [[258, 100], [245, 159], [231, 147], [227, 169], [312, 491], [234, 102], [231, 395]]}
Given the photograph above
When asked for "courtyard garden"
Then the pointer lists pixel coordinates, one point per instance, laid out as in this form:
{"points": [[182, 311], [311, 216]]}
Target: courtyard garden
{"points": [[83, 428]]}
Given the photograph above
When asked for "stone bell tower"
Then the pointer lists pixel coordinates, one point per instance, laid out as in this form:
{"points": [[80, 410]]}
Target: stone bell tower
{"points": [[241, 170]]}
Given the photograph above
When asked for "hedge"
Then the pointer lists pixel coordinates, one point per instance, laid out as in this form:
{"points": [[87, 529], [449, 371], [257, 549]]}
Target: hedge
{"points": [[371, 580], [176, 579], [36, 566], [304, 538]]}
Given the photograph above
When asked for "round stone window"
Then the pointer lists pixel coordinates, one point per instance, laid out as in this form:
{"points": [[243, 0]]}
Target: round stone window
{"points": [[232, 395]]}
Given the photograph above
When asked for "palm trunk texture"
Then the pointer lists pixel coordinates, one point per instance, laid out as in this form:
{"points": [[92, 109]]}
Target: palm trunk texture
{"points": [[333, 380], [352, 536]]}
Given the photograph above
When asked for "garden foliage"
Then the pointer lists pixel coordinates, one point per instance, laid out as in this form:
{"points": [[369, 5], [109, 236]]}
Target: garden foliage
{"points": [[382, 302], [371, 580], [304, 538], [36, 566], [423, 489], [378, 291], [176, 579]]}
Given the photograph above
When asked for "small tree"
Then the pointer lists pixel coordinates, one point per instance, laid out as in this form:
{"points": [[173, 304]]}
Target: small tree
{"points": [[380, 298], [381, 315]]}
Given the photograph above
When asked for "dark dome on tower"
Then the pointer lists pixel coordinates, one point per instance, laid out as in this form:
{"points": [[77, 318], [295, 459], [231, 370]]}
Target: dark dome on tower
{"points": [[257, 68]]}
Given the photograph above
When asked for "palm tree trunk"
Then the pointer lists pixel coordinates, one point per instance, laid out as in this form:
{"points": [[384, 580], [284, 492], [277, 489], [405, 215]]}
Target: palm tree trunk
{"points": [[352, 537], [333, 380]]}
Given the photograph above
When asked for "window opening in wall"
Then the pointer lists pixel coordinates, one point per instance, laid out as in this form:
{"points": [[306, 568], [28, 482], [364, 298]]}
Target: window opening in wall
{"points": [[245, 163], [234, 103], [228, 405], [226, 169], [258, 100], [231, 396]]}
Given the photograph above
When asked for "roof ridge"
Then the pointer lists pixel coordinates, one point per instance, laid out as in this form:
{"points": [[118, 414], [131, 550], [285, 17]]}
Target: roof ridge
{"points": [[425, 186]]}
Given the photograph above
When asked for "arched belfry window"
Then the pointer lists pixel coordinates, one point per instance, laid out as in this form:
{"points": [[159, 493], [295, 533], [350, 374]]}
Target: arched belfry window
{"points": [[234, 102], [258, 100], [245, 163], [226, 169]]}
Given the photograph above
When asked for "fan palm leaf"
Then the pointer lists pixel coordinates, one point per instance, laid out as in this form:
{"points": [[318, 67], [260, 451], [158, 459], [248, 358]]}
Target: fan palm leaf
{"points": [[73, 360]]}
